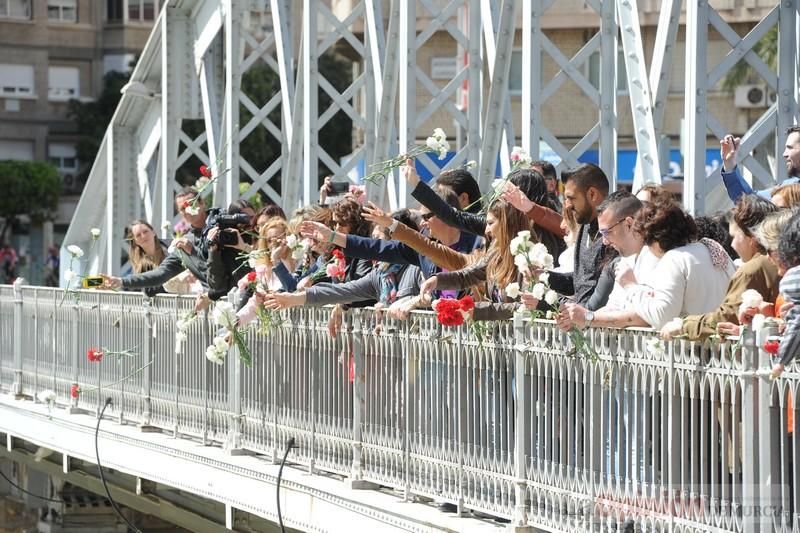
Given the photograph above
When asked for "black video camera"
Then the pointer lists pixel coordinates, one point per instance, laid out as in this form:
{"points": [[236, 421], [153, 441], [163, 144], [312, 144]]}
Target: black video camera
{"points": [[223, 220]]}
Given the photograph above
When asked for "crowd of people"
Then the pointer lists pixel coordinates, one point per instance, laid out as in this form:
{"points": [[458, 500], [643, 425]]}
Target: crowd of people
{"points": [[618, 259]]}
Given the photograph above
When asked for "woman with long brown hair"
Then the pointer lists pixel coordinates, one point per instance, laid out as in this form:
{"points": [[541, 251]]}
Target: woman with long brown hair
{"points": [[145, 251]]}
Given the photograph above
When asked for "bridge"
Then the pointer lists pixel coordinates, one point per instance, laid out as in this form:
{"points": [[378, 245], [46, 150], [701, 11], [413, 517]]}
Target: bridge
{"points": [[390, 416]]}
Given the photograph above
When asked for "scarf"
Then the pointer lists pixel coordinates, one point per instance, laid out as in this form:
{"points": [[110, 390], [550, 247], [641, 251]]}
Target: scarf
{"points": [[387, 274]]}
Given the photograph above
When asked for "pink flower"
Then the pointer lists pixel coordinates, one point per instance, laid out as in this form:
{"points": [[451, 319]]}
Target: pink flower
{"points": [[261, 270], [74, 391], [95, 355]]}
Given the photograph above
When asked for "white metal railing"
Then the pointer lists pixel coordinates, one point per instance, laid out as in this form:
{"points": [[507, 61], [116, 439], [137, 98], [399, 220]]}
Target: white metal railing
{"points": [[689, 439]]}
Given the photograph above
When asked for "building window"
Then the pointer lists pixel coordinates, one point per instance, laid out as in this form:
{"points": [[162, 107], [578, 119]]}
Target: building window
{"points": [[63, 156], [62, 10], [515, 73], [131, 10], [63, 83], [593, 71], [16, 80], [16, 150], [15, 9], [117, 62]]}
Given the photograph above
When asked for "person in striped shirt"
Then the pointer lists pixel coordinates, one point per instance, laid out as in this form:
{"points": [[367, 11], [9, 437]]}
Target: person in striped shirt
{"points": [[789, 255]]}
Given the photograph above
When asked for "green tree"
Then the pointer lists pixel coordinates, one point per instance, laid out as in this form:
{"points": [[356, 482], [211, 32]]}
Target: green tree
{"points": [[29, 188], [92, 118], [767, 49]]}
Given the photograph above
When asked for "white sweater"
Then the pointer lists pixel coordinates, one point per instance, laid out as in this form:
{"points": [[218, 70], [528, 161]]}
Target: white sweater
{"points": [[685, 282]]}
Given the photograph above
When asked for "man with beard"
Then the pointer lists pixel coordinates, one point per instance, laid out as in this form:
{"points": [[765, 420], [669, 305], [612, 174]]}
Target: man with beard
{"points": [[737, 186], [585, 188]]}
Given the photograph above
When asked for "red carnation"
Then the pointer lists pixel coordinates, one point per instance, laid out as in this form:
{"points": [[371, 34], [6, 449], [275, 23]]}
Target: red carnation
{"points": [[337, 253], [205, 171], [771, 347], [185, 204], [467, 303], [75, 391], [251, 277], [448, 312], [94, 355]]}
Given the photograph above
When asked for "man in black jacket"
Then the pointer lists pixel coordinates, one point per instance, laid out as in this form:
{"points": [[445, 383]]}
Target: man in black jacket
{"points": [[585, 188]]}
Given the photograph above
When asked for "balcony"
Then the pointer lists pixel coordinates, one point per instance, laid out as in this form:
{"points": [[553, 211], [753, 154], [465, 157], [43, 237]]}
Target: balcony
{"points": [[507, 429]]}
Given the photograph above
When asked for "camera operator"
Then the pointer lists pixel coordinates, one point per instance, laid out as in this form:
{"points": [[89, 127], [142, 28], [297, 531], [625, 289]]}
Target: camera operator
{"points": [[227, 237]]}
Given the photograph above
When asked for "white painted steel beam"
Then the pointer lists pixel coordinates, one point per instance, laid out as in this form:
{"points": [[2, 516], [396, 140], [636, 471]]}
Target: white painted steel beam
{"points": [[695, 107], [498, 96], [648, 169]]}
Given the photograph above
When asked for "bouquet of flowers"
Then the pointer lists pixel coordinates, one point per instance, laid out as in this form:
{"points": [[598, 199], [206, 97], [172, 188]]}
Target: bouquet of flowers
{"points": [[530, 258], [436, 143], [298, 247], [268, 318], [455, 312], [224, 315]]}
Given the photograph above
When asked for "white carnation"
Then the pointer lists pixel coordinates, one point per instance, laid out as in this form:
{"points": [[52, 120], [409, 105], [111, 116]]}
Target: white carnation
{"points": [[69, 274], [298, 253], [166, 225], [95, 233], [75, 250], [544, 277], [538, 291], [432, 144], [522, 262], [192, 210], [751, 298], [439, 134], [224, 315], [512, 290], [291, 241], [655, 347], [551, 297], [47, 396], [471, 164]]}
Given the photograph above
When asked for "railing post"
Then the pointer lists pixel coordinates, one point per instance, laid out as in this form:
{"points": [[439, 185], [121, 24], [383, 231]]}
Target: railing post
{"points": [[750, 450], [234, 442], [17, 386], [356, 480], [521, 429], [147, 373], [769, 456]]}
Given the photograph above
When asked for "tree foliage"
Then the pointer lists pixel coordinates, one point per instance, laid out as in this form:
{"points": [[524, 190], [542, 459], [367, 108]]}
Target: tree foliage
{"points": [[92, 118], [29, 188], [767, 49]]}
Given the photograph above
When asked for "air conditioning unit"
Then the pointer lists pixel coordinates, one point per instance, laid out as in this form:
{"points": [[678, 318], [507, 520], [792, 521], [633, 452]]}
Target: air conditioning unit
{"points": [[750, 96], [68, 182]]}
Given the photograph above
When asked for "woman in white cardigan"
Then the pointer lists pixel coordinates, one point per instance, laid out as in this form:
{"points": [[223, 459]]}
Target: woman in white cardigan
{"points": [[691, 276]]}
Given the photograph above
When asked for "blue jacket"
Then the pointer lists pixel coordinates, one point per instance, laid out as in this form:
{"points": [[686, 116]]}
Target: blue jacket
{"points": [[397, 252], [737, 186]]}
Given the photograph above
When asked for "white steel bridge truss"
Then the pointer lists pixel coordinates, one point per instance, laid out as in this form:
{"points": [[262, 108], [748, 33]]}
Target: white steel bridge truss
{"points": [[193, 63]]}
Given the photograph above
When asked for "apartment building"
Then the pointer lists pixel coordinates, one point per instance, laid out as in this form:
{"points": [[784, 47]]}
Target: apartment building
{"points": [[52, 51]]}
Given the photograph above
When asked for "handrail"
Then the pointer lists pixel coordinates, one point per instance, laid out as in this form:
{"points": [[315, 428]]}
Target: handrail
{"points": [[691, 436]]}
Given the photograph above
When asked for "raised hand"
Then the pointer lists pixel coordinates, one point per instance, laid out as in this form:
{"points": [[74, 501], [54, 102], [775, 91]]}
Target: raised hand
{"points": [[409, 172], [376, 215], [315, 230], [513, 195], [728, 150], [111, 282]]}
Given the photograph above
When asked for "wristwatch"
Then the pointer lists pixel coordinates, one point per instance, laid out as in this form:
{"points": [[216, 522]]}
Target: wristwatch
{"points": [[588, 317]]}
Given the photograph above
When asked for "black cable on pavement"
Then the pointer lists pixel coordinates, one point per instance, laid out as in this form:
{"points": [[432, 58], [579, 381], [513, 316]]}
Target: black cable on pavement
{"points": [[289, 446], [100, 468]]}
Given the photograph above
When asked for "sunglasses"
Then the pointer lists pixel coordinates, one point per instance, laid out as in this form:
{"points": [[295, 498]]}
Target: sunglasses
{"points": [[427, 216], [604, 232]]}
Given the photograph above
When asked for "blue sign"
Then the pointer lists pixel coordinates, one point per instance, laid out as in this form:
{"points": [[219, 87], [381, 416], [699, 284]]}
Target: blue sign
{"points": [[626, 163]]}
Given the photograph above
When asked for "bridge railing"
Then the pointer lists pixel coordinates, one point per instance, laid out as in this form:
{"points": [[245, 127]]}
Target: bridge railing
{"points": [[686, 436]]}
